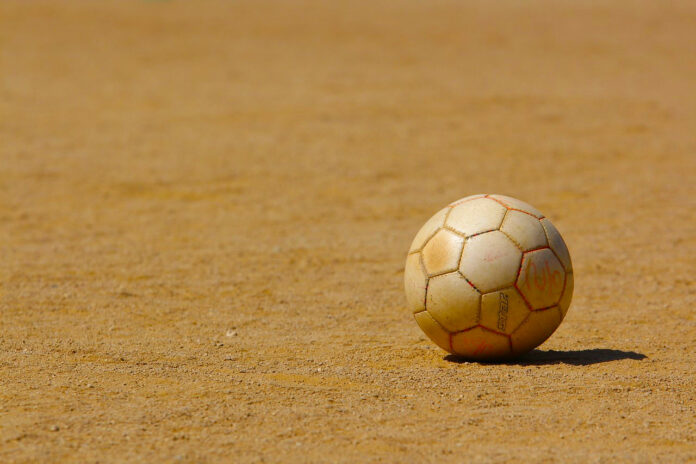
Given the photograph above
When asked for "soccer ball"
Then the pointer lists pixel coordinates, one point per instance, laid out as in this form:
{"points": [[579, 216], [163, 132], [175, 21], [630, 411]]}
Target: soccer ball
{"points": [[488, 277]]}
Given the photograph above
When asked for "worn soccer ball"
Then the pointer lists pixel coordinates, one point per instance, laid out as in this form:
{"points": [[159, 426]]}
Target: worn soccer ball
{"points": [[488, 277]]}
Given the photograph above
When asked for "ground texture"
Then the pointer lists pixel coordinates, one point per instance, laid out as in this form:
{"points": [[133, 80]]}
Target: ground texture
{"points": [[205, 208]]}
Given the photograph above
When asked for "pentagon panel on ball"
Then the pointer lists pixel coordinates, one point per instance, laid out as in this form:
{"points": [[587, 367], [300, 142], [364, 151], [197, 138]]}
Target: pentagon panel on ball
{"points": [[480, 343], [475, 216], [415, 281], [488, 277], [541, 279], [524, 229], [535, 329], [433, 330], [453, 302], [441, 253], [557, 244], [428, 230], [567, 295]]}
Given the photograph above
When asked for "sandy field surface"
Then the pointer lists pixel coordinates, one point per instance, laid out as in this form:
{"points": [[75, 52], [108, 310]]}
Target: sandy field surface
{"points": [[205, 208]]}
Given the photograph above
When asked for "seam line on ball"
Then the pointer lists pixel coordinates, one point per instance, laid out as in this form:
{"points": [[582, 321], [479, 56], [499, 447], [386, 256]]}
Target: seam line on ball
{"points": [[519, 246], [510, 208]]}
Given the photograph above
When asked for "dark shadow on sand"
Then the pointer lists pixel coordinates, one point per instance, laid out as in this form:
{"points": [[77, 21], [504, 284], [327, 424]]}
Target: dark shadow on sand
{"points": [[574, 358]]}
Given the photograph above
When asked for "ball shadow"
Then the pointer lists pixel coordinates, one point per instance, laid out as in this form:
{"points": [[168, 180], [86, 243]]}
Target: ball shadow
{"points": [[574, 358]]}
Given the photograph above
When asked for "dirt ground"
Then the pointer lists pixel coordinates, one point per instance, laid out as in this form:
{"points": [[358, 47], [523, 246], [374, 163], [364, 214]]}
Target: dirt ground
{"points": [[205, 208]]}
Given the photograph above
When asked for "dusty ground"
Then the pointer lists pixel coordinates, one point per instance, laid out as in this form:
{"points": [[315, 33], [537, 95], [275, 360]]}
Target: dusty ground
{"points": [[205, 209]]}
